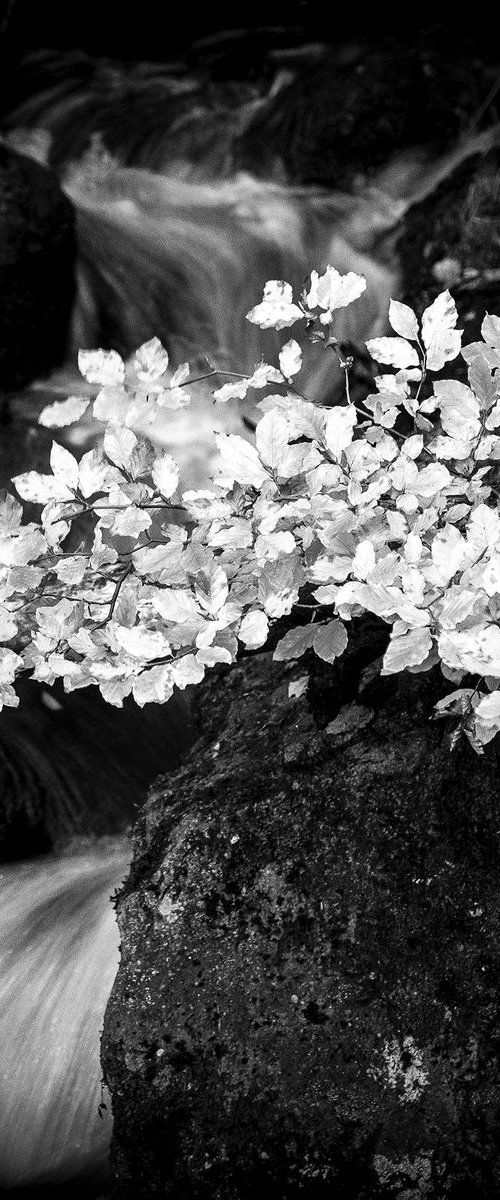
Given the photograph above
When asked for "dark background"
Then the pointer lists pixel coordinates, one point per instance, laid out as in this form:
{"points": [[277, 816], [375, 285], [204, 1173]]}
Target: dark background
{"points": [[159, 29]]}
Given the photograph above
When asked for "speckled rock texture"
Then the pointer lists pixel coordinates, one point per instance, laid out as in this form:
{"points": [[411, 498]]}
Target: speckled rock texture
{"points": [[307, 1003], [37, 255]]}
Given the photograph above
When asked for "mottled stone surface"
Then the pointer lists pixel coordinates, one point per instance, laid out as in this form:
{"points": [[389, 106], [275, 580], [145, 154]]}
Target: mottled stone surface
{"points": [[308, 996], [37, 254]]}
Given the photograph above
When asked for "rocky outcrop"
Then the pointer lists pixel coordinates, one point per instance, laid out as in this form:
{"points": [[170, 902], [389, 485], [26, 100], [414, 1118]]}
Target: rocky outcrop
{"points": [[307, 1002], [37, 255]]}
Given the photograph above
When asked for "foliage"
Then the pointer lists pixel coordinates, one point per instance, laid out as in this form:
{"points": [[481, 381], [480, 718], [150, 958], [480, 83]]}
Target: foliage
{"points": [[388, 507]]}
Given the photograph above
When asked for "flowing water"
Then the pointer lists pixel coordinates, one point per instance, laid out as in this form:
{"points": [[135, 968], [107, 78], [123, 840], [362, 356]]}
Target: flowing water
{"points": [[182, 216]]}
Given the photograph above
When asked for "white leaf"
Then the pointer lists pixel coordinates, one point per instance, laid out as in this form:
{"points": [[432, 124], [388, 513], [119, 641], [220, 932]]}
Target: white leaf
{"points": [[475, 650], [119, 442], [254, 629], [187, 670], [64, 466], [395, 351], [403, 320], [8, 624], [443, 346], [271, 546], [212, 593], [438, 317], [232, 391], [92, 473], [63, 412], [407, 650], [240, 460], [150, 361], [130, 522], [142, 643], [364, 560], [165, 475], [10, 664], [339, 427], [277, 310], [101, 366], [333, 290], [180, 375], [271, 436], [154, 686], [290, 359], [174, 604], [111, 405]]}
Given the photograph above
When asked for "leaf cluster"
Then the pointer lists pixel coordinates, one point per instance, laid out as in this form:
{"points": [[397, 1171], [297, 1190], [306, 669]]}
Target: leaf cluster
{"points": [[389, 507]]}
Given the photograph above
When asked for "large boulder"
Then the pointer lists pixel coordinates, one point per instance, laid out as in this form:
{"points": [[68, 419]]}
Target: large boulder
{"points": [[307, 1002], [37, 257]]}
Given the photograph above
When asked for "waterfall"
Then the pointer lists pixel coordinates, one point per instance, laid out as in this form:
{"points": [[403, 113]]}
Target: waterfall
{"points": [[58, 958]]}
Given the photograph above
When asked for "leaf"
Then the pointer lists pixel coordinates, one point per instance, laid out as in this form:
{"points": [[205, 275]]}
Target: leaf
{"points": [[277, 310], [71, 570], [298, 687], [22, 546], [64, 466], [11, 512], [165, 475], [174, 604], [187, 670], [403, 320], [330, 640], [444, 346], [440, 316], [119, 442], [482, 382], [290, 359], [254, 629], [101, 366], [8, 624], [212, 591], [457, 703], [113, 691], [333, 290], [490, 330], [295, 643], [339, 427], [240, 460], [154, 686], [475, 650], [93, 473], [395, 351], [232, 391], [63, 412], [142, 643], [271, 436], [130, 522], [180, 375], [10, 665], [150, 361], [58, 620], [406, 650]]}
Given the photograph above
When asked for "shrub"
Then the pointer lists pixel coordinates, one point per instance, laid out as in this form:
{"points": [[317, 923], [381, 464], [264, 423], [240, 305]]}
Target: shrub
{"points": [[387, 507]]}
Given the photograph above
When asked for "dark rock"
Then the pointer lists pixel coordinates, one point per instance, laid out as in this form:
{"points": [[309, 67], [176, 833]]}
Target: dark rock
{"points": [[307, 1002], [37, 259], [347, 113]]}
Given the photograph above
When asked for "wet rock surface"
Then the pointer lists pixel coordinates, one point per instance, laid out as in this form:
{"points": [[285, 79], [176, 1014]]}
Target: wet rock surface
{"points": [[307, 1000]]}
